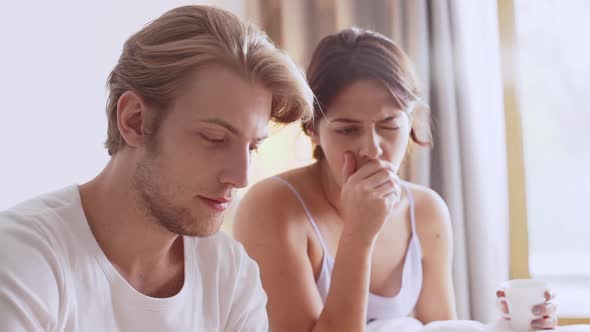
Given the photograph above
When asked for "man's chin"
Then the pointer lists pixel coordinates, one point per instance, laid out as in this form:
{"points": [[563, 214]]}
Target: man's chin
{"points": [[203, 234], [206, 228]]}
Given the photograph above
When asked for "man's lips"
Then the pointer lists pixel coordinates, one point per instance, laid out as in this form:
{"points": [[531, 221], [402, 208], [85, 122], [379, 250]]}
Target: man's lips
{"points": [[219, 204]]}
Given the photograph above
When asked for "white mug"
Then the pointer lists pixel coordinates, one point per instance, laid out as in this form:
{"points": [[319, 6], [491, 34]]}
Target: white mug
{"points": [[521, 295]]}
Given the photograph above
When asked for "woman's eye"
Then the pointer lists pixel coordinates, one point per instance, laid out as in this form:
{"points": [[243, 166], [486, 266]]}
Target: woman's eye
{"points": [[347, 131], [389, 128]]}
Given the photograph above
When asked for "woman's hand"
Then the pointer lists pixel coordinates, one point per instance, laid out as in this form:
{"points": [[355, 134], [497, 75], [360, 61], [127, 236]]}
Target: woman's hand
{"points": [[368, 196], [545, 317]]}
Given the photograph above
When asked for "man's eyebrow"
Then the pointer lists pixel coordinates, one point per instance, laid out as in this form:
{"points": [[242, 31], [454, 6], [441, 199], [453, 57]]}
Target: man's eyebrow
{"points": [[233, 129], [223, 124]]}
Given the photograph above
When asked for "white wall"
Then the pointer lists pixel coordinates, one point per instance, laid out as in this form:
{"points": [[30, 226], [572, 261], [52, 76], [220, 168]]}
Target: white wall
{"points": [[55, 57]]}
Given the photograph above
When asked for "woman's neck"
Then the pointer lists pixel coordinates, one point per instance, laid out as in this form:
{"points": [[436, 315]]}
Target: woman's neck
{"points": [[330, 188]]}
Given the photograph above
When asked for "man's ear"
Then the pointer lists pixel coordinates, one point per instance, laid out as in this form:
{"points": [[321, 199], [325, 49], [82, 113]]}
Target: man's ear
{"points": [[131, 115]]}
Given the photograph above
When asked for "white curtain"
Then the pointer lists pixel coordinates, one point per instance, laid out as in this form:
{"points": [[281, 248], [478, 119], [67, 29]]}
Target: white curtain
{"points": [[471, 155]]}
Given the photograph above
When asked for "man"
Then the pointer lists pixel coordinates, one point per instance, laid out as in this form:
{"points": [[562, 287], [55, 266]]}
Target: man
{"points": [[137, 248]]}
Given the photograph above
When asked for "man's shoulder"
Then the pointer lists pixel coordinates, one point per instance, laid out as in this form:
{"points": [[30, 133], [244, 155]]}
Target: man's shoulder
{"points": [[42, 207], [36, 225], [30, 263]]}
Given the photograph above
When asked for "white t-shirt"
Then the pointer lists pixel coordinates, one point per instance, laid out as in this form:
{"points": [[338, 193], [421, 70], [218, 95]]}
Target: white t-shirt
{"points": [[55, 277]]}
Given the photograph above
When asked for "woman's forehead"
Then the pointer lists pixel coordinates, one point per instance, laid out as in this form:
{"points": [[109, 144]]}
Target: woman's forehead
{"points": [[364, 93]]}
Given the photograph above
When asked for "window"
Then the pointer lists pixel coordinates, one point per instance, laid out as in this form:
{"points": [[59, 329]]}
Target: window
{"points": [[553, 61]]}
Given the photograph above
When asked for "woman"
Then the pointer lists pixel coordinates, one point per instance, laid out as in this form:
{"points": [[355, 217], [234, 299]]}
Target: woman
{"points": [[344, 241]]}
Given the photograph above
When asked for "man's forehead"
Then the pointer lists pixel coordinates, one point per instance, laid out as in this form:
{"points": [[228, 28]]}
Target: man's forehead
{"points": [[221, 97]]}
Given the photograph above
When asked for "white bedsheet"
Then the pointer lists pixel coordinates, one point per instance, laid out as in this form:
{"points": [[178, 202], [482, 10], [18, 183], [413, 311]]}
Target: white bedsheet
{"points": [[408, 324]]}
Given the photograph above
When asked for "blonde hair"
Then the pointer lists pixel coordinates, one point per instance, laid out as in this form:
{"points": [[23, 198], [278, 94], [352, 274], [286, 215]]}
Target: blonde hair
{"points": [[156, 60]]}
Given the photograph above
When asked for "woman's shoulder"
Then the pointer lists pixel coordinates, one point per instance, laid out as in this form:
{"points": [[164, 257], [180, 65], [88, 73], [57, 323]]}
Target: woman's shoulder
{"points": [[432, 216], [274, 199], [426, 200], [280, 190]]}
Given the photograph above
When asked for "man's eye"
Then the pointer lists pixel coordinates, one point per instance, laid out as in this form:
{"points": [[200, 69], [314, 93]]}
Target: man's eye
{"points": [[213, 139]]}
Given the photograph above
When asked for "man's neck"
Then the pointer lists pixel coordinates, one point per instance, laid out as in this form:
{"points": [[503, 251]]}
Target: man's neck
{"points": [[147, 255]]}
